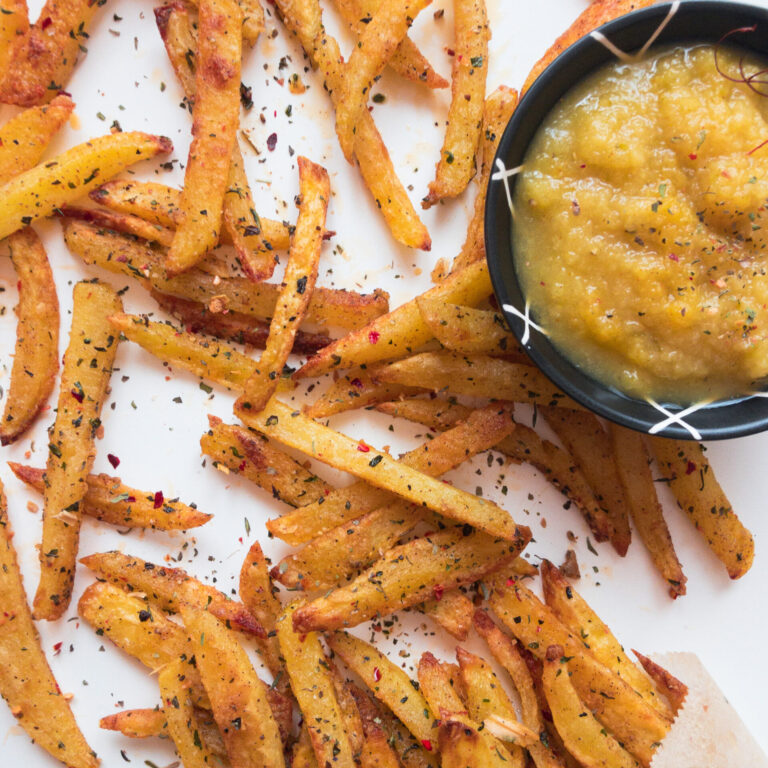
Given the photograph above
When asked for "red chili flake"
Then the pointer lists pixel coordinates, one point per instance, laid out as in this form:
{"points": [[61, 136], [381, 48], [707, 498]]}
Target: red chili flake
{"points": [[376, 674], [427, 744], [363, 448], [78, 394], [376, 627], [437, 591], [692, 156], [271, 141], [510, 582], [131, 499], [159, 499], [690, 469], [674, 257], [57, 649], [373, 337], [356, 383], [113, 460], [241, 468], [46, 22]]}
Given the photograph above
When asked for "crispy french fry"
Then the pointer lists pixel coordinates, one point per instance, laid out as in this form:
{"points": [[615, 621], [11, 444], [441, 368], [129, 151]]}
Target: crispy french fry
{"points": [[26, 681], [588, 442], [571, 608], [303, 755], [633, 465], [465, 115], [453, 611], [667, 683], [388, 682], [279, 421], [298, 285], [312, 684], [376, 43], [402, 331], [36, 361], [462, 745], [253, 19], [171, 588], [249, 453], [350, 715], [38, 192], [238, 696], [14, 29], [107, 499], [408, 575], [377, 753], [24, 138], [216, 117], [120, 222], [71, 448], [700, 496]]}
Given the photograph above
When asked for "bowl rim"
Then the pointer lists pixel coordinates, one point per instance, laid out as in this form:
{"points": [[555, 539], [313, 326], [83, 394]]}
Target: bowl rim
{"points": [[728, 418]]}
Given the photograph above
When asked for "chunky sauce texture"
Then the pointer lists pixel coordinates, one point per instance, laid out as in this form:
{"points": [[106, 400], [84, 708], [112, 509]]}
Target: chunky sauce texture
{"points": [[640, 225]]}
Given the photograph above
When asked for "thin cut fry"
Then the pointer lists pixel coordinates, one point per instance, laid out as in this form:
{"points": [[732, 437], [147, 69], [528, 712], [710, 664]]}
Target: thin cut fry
{"points": [[465, 115], [26, 681], [668, 684], [120, 222]]}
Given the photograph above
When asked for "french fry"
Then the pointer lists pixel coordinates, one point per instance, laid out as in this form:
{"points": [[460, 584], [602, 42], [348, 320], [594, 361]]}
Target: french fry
{"points": [[408, 575], [36, 361], [700, 496], [303, 755], [312, 685], [377, 753], [252, 455], [71, 448], [388, 682], [376, 43], [588, 442], [43, 63], [407, 60], [402, 331], [350, 715], [633, 464], [668, 684], [120, 222], [453, 611], [238, 696], [253, 19], [289, 427], [14, 29], [40, 191], [171, 588], [465, 115], [584, 737], [24, 138], [26, 681], [298, 285], [108, 500], [462, 745], [582, 621], [216, 117]]}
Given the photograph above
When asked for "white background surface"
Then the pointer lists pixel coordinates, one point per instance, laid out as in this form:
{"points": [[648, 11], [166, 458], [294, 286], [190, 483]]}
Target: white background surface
{"points": [[122, 78]]}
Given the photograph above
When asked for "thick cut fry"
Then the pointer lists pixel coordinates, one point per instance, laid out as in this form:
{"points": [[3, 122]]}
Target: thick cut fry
{"points": [[465, 115], [252, 455], [388, 682], [120, 222], [40, 191], [375, 45], [298, 284], [253, 19], [667, 683], [402, 331], [24, 138], [633, 464], [453, 612], [572, 609], [14, 29], [408, 575], [26, 681], [407, 60], [588, 442], [238, 696], [171, 588], [215, 120], [43, 63], [699, 495], [107, 499], [36, 361], [380, 469], [312, 684], [84, 381], [584, 737]]}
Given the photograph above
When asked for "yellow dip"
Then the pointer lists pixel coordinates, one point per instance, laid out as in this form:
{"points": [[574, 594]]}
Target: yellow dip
{"points": [[639, 230]]}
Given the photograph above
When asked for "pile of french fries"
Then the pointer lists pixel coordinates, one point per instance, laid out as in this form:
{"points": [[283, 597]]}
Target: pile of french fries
{"points": [[398, 537]]}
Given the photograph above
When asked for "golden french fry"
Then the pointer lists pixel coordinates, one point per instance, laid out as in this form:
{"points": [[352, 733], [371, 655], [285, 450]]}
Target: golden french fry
{"points": [[171, 588], [453, 612], [312, 684], [40, 191], [107, 499], [350, 715], [36, 361], [377, 753], [633, 465], [26, 681], [408, 575], [303, 755], [376, 43], [668, 684], [465, 115], [71, 448], [298, 285], [462, 745], [686, 469], [216, 117], [238, 696], [14, 29], [120, 222], [24, 138], [253, 19]]}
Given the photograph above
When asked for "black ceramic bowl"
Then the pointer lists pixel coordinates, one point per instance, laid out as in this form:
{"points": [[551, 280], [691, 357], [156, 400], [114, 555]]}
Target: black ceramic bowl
{"points": [[693, 21]]}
